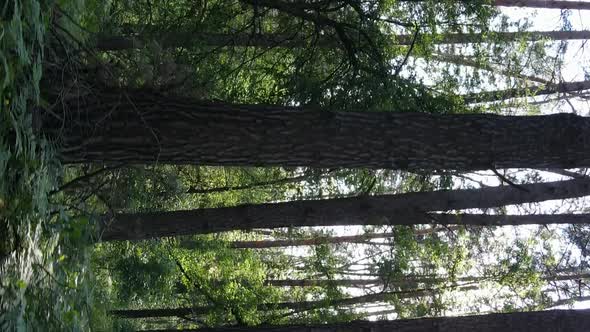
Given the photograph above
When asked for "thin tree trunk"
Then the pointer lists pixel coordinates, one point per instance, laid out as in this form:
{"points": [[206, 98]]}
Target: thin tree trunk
{"points": [[401, 282], [189, 38], [308, 242], [401, 209], [276, 182], [537, 321], [296, 306], [569, 301], [143, 127], [546, 4], [381, 313], [462, 61], [490, 96], [259, 244]]}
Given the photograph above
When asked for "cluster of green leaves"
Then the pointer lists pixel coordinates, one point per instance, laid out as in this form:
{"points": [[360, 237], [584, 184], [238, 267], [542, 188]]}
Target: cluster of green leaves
{"points": [[43, 253]]}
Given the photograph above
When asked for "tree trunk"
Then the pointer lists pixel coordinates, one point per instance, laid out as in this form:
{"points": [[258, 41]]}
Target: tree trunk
{"points": [[142, 127], [538, 321], [546, 4], [296, 306], [276, 182], [401, 209], [490, 96], [463, 61], [360, 238], [189, 39], [401, 282]]}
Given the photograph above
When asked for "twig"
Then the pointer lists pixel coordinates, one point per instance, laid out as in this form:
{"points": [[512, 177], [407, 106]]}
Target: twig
{"points": [[399, 68], [84, 177], [505, 179]]}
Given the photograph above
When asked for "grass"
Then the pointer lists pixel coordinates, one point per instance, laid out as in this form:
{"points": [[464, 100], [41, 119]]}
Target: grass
{"points": [[45, 282]]}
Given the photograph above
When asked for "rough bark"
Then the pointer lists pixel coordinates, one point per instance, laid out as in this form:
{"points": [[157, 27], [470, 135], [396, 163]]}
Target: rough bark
{"points": [[538, 321], [546, 4], [190, 39], [490, 96], [142, 127], [463, 61], [401, 209]]}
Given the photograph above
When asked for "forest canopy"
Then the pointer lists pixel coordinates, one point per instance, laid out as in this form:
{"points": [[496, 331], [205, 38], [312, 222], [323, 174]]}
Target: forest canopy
{"points": [[339, 165]]}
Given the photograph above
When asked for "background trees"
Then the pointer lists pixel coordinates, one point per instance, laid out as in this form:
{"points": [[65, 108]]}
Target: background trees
{"points": [[162, 112]]}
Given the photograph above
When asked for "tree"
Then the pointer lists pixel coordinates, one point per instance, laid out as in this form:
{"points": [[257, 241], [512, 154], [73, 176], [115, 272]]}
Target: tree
{"points": [[143, 127], [295, 306], [409, 280], [547, 4], [540, 321], [268, 40], [401, 209], [490, 96], [258, 244]]}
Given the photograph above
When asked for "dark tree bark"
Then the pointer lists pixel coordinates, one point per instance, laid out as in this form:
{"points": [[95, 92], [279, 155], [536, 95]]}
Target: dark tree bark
{"points": [[142, 127], [190, 39], [490, 96], [401, 209], [546, 4], [154, 225], [537, 321]]}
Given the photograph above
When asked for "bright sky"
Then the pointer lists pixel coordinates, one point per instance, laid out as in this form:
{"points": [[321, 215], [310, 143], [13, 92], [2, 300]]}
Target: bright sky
{"points": [[576, 59]]}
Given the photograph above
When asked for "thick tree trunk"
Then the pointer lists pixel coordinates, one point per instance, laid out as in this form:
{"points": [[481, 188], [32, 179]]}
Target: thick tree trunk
{"points": [[190, 39], [546, 4], [490, 96], [401, 209], [537, 321], [141, 127]]}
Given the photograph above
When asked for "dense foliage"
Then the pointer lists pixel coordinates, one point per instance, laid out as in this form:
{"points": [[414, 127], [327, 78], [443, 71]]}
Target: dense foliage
{"points": [[344, 55]]}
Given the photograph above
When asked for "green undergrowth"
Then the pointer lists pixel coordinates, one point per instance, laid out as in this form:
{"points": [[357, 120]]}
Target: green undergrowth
{"points": [[45, 283]]}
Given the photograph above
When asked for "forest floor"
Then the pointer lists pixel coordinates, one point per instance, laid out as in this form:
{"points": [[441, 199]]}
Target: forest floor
{"points": [[44, 253]]}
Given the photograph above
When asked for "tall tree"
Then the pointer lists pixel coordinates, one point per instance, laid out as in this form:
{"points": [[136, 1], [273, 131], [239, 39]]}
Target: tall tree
{"points": [[402, 209], [258, 244], [540, 321], [143, 127], [295, 306], [410, 280], [547, 4], [190, 38], [499, 95]]}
